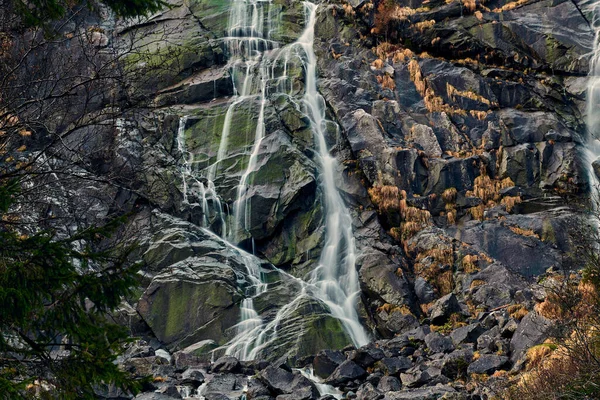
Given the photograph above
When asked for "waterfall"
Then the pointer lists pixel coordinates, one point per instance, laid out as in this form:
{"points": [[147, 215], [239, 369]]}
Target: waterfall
{"points": [[336, 275], [203, 191], [259, 65], [592, 147]]}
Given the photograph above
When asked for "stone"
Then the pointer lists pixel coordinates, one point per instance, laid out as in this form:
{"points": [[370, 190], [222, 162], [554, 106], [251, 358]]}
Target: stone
{"points": [[533, 330], [226, 364], [466, 334], [366, 356], [345, 372], [391, 366], [437, 343], [487, 364], [389, 384], [326, 361], [368, 392], [455, 364], [293, 386], [443, 308], [192, 376]]}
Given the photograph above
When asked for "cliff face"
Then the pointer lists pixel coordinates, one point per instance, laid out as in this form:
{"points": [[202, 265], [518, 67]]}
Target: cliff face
{"points": [[456, 129]]}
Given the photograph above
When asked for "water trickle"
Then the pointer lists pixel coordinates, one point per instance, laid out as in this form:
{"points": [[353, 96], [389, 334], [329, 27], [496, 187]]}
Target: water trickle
{"points": [[592, 148]]}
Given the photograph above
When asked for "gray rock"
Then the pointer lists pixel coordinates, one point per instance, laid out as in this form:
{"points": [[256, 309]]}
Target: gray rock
{"points": [[389, 384], [466, 334], [391, 366], [424, 291], [192, 376], [326, 361], [293, 386], [368, 392], [443, 308], [487, 364], [532, 330], [428, 393], [437, 343], [345, 372], [226, 364]]}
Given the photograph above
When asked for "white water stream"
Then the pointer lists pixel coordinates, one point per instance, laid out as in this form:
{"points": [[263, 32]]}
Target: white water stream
{"points": [[592, 147], [258, 64]]}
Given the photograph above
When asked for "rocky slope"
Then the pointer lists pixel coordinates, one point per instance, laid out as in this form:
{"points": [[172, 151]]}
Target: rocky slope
{"points": [[457, 128]]}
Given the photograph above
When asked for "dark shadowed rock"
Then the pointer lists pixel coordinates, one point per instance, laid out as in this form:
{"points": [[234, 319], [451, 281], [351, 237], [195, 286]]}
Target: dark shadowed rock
{"points": [[326, 361], [437, 343], [389, 384], [487, 364], [368, 392], [192, 376], [366, 356], [391, 366], [226, 364], [466, 334], [292, 386], [347, 371], [443, 308]]}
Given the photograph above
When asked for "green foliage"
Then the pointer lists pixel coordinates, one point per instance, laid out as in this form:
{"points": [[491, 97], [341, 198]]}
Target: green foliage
{"points": [[55, 296], [40, 12]]}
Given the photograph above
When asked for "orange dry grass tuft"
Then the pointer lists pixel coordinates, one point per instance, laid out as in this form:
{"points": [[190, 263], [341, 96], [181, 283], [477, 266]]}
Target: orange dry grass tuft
{"points": [[385, 198]]}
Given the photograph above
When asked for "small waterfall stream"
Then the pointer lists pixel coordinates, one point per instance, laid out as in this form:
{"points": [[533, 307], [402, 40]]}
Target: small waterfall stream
{"points": [[592, 147], [259, 65]]}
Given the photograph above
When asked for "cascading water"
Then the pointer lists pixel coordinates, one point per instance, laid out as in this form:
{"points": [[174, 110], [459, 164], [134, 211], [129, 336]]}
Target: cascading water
{"points": [[592, 148], [336, 275], [258, 66], [203, 191]]}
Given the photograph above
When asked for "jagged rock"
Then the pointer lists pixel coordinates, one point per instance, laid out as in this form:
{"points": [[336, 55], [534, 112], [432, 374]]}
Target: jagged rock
{"points": [[391, 366], [192, 376], [326, 361], [487, 364], [368, 392], [293, 385], [487, 340], [226, 364], [532, 330], [455, 364], [466, 334], [366, 356], [415, 377], [437, 343], [155, 396], [424, 291], [443, 308], [389, 384], [428, 393], [345, 372]]}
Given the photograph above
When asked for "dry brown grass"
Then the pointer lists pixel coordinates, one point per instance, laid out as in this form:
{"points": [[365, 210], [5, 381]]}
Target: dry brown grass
{"points": [[378, 64], [469, 263], [523, 232], [517, 311], [385, 198], [348, 9], [480, 115], [479, 15], [469, 5], [387, 82], [476, 283], [477, 212], [511, 5], [449, 195], [453, 92], [549, 308], [424, 25], [391, 308], [509, 202]]}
